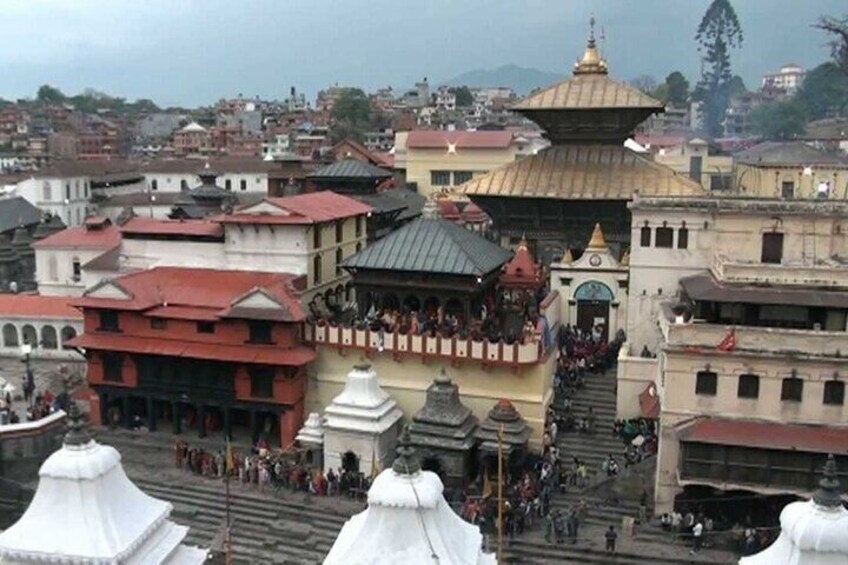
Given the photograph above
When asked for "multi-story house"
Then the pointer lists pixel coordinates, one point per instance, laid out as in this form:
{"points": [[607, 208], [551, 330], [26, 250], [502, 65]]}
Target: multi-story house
{"points": [[790, 170], [193, 139], [789, 78], [742, 308], [63, 189]]}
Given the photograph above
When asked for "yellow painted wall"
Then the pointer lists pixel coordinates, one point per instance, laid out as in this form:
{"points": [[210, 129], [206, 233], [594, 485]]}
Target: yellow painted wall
{"points": [[407, 380], [420, 162], [766, 182]]}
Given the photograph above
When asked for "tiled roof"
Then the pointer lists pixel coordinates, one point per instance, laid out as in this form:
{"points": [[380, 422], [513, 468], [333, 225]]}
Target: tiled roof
{"points": [[426, 139], [151, 226], [588, 92], [265, 355], [37, 306], [309, 208], [582, 172], [17, 211], [432, 246], [792, 153], [195, 288], [82, 237], [764, 435], [349, 169]]}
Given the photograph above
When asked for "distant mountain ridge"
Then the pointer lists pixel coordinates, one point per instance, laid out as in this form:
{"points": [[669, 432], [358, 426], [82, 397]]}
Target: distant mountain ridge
{"points": [[521, 79]]}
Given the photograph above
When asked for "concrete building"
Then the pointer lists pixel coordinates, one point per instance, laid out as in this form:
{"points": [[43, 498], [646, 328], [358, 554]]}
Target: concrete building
{"points": [[692, 158], [440, 161], [790, 170], [789, 78], [63, 189], [743, 304], [193, 139]]}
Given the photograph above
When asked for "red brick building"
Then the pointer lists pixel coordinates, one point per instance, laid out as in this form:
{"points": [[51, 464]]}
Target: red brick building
{"points": [[206, 350]]}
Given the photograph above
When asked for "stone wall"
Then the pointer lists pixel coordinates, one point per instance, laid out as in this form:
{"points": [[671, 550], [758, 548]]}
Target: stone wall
{"points": [[24, 447]]}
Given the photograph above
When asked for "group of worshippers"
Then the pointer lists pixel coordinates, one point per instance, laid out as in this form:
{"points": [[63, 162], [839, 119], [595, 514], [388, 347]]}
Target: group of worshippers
{"points": [[38, 405], [582, 354], [267, 469]]}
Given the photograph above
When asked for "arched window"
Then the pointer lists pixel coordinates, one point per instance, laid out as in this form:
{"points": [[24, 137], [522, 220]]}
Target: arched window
{"points": [[68, 333], [183, 184], [10, 336], [154, 184], [339, 259], [46, 191], [29, 335], [48, 338], [792, 389], [77, 269]]}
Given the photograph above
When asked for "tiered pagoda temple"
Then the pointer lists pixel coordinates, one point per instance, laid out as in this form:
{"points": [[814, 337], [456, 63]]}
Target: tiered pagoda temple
{"points": [[443, 433], [505, 420], [556, 196], [202, 201]]}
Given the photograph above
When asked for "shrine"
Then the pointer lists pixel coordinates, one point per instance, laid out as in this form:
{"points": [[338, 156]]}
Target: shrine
{"points": [[85, 510], [408, 521], [360, 427], [443, 433], [504, 420], [812, 532], [593, 289], [586, 176], [311, 439]]}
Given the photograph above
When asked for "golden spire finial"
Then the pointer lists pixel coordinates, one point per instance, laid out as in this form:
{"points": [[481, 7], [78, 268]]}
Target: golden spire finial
{"points": [[568, 258], [598, 240], [591, 63], [625, 259]]}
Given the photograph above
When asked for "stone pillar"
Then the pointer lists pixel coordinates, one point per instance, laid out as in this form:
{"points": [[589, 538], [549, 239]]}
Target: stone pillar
{"points": [[175, 415], [201, 420], [151, 414]]}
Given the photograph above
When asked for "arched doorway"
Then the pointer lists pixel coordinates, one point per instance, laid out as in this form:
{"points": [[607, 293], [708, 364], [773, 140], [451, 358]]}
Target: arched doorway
{"points": [[350, 462], [593, 306]]}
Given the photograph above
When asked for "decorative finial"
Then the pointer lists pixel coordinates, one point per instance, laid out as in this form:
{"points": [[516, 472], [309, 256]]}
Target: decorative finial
{"points": [[405, 463], [362, 365], [591, 62], [568, 258], [77, 432], [592, 28], [443, 378], [625, 259], [829, 493], [598, 241]]}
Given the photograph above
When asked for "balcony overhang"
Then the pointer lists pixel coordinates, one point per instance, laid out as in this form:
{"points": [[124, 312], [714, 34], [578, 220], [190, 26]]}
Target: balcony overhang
{"points": [[704, 287]]}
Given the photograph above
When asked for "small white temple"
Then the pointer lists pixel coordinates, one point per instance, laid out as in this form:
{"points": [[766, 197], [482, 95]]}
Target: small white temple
{"points": [[408, 521], [311, 439], [86, 511], [360, 425], [813, 532]]}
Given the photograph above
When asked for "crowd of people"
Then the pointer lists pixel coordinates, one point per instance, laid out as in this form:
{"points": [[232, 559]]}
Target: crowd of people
{"points": [[265, 469], [37, 404]]}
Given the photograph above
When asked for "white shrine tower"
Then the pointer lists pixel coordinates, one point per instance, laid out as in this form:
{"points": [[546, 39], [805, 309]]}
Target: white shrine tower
{"points": [[361, 424], [87, 512]]}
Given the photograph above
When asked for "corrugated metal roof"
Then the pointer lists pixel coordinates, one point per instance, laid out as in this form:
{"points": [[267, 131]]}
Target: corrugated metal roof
{"points": [[16, 212], [588, 92], [432, 246], [582, 172], [350, 169]]}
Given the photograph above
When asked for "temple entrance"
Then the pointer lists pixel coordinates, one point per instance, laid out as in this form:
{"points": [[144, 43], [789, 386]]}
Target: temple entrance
{"points": [[728, 507], [350, 462], [593, 307], [432, 463]]}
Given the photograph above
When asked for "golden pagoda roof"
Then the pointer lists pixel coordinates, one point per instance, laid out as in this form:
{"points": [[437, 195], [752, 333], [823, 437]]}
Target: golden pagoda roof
{"points": [[582, 172], [598, 241]]}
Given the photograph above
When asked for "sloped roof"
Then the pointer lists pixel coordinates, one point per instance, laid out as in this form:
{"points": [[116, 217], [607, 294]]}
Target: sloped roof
{"points": [[17, 211], [588, 92], [82, 237], [432, 246], [151, 226], [428, 139], [791, 153], [37, 306], [309, 208], [349, 169], [582, 172]]}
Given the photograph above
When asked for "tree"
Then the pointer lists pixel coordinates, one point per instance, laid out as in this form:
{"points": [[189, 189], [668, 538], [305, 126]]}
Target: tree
{"points": [[824, 92], [678, 89], [736, 86], [645, 83], [49, 95], [839, 45], [718, 33], [779, 121], [351, 115], [464, 98]]}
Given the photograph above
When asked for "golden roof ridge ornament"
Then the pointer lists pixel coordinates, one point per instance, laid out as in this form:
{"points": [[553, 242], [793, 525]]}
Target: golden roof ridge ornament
{"points": [[598, 240], [591, 63], [568, 258]]}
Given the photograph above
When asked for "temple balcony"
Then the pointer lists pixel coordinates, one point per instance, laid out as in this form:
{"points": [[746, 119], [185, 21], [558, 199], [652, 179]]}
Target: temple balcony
{"points": [[826, 273], [698, 336]]}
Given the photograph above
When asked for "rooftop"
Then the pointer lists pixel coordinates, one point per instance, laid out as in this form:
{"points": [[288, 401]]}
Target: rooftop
{"points": [[219, 293], [790, 154], [309, 208], [434, 246], [16, 212], [190, 228], [349, 169], [456, 140], [82, 237], [37, 306]]}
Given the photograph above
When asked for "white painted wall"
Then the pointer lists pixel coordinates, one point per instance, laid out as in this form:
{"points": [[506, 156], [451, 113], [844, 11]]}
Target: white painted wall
{"points": [[255, 182], [65, 197], [54, 270], [268, 248], [149, 253]]}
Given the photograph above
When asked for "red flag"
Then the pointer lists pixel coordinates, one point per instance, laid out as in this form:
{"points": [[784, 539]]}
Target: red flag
{"points": [[729, 341]]}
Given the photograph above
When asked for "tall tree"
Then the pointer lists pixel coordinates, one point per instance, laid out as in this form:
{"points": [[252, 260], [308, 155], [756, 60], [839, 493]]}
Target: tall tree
{"points": [[718, 33], [839, 45], [351, 115], [824, 92], [779, 121], [678, 89], [464, 98], [49, 95]]}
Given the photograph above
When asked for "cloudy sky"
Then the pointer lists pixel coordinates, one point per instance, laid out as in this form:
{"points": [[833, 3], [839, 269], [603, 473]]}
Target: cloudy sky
{"points": [[195, 51]]}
